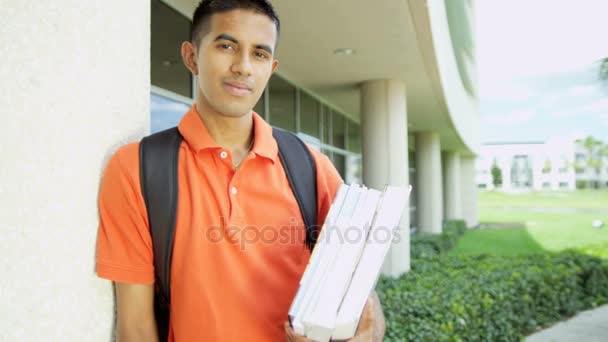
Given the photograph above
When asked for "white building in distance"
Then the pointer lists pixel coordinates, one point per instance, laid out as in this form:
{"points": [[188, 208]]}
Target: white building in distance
{"points": [[558, 164]]}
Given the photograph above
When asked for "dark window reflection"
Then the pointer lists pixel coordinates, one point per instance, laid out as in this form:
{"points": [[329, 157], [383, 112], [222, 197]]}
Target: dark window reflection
{"points": [[282, 104], [168, 30]]}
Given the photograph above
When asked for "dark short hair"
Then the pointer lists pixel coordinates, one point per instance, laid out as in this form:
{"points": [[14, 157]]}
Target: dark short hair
{"points": [[206, 8]]}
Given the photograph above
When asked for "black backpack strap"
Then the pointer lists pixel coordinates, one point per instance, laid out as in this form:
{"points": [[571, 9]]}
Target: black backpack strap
{"points": [[301, 172], [158, 158]]}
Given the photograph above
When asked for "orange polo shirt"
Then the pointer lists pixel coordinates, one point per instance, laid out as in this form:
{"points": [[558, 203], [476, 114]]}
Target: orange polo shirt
{"points": [[239, 248]]}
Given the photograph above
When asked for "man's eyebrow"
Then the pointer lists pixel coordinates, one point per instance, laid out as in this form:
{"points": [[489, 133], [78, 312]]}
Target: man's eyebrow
{"points": [[265, 48], [225, 36]]}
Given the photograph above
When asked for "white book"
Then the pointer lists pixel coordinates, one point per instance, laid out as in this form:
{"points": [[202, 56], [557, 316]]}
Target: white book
{"points": [[343, 268], [317, 268], [332, 249], [316, 256], [321, 321], [390, 210]]}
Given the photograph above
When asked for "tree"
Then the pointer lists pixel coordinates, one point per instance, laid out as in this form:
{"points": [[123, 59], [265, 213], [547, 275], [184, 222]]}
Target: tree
{"points": [[547, 166], [595, 152], [604, 69], [496, 174]]}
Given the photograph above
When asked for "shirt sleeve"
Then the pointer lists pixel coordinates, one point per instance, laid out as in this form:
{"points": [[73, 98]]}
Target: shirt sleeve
{"points": [[124, 244], [328, 183]]}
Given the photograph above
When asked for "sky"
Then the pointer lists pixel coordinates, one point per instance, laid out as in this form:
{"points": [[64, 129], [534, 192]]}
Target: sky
{"points": [[538, 71]]}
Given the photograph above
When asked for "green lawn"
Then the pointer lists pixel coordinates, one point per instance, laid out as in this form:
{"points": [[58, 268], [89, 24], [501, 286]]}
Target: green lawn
{"points": [[580, 199], [539, 231]]}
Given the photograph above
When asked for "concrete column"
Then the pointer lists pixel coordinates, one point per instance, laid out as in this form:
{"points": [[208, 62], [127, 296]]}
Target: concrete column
{"points": [[385, 155], [428, 172], [468, 189], [451, 185], [75, 80]]}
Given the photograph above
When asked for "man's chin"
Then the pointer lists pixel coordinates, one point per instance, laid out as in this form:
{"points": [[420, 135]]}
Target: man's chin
{"points": [[234, 112]]}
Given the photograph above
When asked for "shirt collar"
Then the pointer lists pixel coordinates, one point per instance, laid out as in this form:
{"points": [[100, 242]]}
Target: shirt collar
{"points": [[195, 133]]}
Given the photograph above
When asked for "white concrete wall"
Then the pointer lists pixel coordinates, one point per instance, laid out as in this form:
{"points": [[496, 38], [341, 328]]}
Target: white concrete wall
{"points": [[75, 85]]}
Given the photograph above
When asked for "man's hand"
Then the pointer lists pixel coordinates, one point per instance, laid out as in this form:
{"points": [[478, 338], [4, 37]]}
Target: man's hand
{"points": [[371, 325], [292, 336]]}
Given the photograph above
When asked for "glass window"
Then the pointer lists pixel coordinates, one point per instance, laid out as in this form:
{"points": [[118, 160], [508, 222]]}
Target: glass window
{"points": [[354, 137], [327, 114], [339, 161], [282, 104], [338, 126], [354, 169], [168, 30], [309, 115], [165, 112]]}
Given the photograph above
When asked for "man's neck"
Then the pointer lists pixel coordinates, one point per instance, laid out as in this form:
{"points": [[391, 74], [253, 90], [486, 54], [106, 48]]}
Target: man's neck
{"points": [[232, 133]]}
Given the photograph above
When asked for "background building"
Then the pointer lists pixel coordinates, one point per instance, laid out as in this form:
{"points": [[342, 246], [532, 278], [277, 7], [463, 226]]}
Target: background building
{"points": [[387, 90], [558, 164]]}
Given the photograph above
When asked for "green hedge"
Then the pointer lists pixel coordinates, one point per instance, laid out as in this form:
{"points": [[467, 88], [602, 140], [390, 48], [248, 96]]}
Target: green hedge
{"points": [[429, 245], [489, 298]]}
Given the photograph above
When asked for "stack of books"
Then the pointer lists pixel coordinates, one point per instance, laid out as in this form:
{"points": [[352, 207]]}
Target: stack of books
{"points": [[346, 262]]}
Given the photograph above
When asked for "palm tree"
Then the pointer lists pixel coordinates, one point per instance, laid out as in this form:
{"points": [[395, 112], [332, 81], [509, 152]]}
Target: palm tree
{"points": [[604, 69]]}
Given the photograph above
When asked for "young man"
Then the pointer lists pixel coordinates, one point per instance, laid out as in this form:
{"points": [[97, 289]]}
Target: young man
{"points": [[228, 287]]}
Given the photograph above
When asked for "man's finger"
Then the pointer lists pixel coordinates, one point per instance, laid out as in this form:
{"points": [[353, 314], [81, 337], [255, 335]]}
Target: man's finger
{"points": [[292, 336]]}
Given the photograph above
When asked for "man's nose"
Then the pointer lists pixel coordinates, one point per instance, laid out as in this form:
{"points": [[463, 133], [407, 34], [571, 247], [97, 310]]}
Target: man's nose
{"points": [[242, 65]]}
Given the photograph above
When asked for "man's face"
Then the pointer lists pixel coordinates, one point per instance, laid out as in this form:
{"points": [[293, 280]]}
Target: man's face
{"points": [[234, 61]]}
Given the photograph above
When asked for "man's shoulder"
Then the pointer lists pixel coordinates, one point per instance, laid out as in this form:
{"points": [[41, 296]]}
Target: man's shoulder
{"points": [[325, 168], [317, 155], [125, 160]]}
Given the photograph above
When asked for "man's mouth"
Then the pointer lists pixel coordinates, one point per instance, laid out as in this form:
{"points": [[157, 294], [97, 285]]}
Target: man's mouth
{"points": [[237, 88]]}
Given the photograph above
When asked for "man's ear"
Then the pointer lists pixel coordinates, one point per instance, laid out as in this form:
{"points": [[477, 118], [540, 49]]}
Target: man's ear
{"points": [[189, 52], [275, 64]]}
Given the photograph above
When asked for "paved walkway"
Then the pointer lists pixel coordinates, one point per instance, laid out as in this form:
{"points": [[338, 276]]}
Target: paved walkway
{"points": [[587, 326]]}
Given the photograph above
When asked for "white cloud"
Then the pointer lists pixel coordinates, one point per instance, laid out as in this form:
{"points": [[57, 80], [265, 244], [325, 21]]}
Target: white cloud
{"points": [[519, 116], [549, 99], [548, 36], [580, 91], [604, 119], [597, 106], [563, 113], [509, 91]]}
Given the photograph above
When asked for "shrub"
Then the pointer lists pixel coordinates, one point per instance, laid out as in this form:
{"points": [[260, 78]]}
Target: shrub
{"points": [[430, 245], [489, 298]]}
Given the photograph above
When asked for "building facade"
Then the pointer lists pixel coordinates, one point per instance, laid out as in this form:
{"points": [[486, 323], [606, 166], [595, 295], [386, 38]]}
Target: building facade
{"points": [[558, 164], [388, 91]]}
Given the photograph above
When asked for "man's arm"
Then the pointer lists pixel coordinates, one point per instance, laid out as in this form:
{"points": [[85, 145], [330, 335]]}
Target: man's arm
{"points": [[135, 307]]}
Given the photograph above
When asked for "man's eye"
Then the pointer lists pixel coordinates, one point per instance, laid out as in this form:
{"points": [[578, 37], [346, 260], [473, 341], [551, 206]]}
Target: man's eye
{"points": [[260, 55], [225, 46]]}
